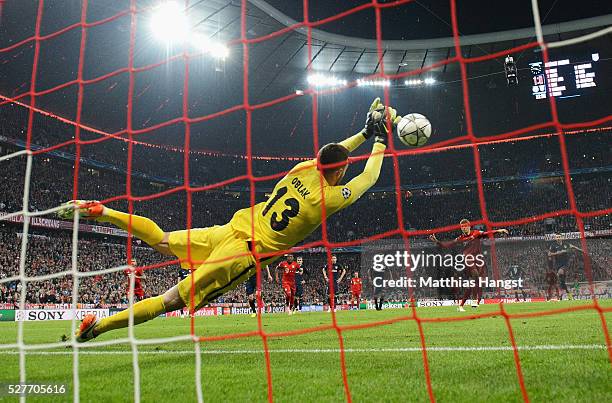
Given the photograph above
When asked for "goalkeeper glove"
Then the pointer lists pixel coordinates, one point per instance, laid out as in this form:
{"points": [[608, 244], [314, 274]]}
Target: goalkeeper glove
{"points": [[376, 121], [389, 115], [373, 119]]}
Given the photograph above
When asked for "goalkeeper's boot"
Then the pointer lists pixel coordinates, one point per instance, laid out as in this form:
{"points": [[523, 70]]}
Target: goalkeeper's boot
{"points": [[89, 209], [85, 332], [253, 315]]}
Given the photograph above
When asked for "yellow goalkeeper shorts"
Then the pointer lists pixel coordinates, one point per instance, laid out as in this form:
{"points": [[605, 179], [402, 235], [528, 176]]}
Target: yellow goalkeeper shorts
{"points": [[223, 258]]}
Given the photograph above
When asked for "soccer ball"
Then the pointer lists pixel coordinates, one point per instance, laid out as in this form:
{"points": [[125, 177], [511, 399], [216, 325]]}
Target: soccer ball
{"points": [[414, 130]]}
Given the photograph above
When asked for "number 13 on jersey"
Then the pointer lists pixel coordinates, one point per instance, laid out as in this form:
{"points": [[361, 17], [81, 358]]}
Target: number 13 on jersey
{"points": [[279, 222]]}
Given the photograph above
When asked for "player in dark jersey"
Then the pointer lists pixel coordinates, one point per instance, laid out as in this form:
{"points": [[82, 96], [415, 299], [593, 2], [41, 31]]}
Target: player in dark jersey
{"points": [[138, 277], [561, 276], [356, 287], [299, 284], [516, 273], [471, 241], [288, 268], [251, 291], [337, 275], [378, 294], [558, 263], [551, 279]]}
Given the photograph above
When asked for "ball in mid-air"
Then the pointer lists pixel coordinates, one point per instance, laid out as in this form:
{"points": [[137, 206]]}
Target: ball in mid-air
{"points": [[414, 130]]}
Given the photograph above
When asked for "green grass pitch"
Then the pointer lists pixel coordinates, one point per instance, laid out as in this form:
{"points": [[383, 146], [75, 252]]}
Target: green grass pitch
{"points": [[563, 359]]}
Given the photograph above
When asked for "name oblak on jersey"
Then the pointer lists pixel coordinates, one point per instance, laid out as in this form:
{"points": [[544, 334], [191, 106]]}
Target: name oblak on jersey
{"points": [[301, 189]]}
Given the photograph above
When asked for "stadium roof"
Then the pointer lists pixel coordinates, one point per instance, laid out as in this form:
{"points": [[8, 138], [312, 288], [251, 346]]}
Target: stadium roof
{"points": [[276, 60], [278, 66]]}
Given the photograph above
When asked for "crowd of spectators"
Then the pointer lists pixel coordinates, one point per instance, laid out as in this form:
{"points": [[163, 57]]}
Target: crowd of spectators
{"points": [[50, 252], [158, 157], [51, 184]]}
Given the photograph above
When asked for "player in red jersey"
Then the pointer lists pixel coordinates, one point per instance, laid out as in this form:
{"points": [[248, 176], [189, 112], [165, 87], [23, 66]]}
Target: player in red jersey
{"points": [[138, 276], [552, 282], [558, 259], [289, 267], [356, 290], [471, 240]]}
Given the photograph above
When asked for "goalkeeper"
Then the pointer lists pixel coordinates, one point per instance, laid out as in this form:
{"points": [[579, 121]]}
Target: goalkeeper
{"points": [[222, 255]]}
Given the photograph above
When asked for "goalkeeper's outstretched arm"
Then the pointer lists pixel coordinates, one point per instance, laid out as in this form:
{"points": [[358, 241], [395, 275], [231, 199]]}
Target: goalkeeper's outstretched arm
{"points": [[378, 121], [365, 180], [341, 196], [353, 142]]}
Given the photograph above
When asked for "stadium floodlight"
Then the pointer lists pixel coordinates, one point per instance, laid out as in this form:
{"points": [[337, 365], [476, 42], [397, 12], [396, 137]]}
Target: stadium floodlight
{"points": [[219, 50], [322, 80], [413, 82], [373, 83], [169, 22], [208, 45], [417, 81]]}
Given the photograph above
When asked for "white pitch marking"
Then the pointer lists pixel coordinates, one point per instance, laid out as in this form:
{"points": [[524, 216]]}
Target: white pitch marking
{"points": [[330, 350]]}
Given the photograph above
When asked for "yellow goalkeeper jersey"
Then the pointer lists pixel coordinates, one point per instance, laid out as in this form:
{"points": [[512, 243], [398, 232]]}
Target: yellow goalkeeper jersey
{"points": [[294, 208]]}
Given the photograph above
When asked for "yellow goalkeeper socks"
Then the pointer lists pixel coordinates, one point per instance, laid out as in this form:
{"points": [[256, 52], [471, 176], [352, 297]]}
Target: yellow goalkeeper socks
{"points": [[142, 227], [144, 310]]}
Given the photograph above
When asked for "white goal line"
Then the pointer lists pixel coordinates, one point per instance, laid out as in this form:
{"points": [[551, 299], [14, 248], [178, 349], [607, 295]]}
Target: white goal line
{"points": [[328, 350]]}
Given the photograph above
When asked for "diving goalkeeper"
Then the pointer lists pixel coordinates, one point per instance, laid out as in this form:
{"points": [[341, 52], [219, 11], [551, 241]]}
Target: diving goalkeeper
{"points": [[222, 254]]}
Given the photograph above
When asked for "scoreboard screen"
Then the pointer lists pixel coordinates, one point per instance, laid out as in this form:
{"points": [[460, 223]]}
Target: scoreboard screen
{"points": [[563, 78]]}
